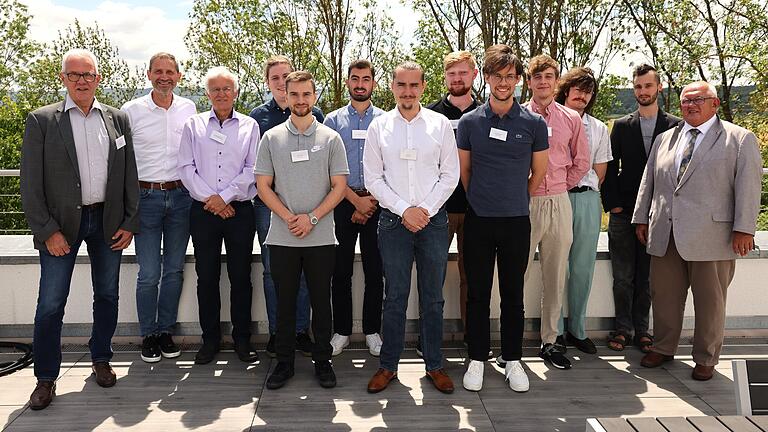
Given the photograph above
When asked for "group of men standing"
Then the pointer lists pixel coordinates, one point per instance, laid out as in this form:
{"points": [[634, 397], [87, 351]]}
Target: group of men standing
{"points": [[507, 179]]}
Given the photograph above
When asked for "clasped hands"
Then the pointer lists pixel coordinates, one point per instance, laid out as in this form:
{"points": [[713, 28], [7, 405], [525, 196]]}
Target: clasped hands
{"points": [[365, 207], [415, 219], [299, 225], [216, 205]]}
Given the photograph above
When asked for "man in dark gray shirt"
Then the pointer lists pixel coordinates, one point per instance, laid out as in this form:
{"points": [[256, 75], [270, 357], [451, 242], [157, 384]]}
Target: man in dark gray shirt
{"points": [[301, 174]]}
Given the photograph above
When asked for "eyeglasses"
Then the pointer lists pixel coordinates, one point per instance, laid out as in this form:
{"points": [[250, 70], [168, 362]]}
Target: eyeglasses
{"points": [[501, 78], [216, 90], [75, 77], [695, 101]]}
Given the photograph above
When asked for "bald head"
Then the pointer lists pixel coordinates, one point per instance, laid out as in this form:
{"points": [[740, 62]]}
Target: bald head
{"points": [[703, 86]]}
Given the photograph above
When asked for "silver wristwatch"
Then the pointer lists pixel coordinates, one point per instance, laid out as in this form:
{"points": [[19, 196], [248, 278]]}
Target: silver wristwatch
{"points": [[312, 218]]}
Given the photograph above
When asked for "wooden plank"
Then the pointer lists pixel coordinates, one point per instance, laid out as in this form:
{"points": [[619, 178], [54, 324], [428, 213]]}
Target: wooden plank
{"points": [[646, 424], [757, 371], [593, 425], [615, 425], [676, 424], [708, 424], [739, 424], [758, 397], [741, 385], [760, 421]]}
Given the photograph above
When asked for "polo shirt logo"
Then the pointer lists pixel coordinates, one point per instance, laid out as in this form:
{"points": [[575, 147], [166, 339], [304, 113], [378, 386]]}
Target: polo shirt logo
{"points": [[519, 136]]}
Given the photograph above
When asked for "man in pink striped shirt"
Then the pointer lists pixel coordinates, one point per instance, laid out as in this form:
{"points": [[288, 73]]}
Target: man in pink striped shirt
{"points": [[551, 215]]}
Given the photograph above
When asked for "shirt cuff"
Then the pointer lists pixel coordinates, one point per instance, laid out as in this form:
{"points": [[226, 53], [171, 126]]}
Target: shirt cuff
{"points": [[227, 195], [401, 207]]}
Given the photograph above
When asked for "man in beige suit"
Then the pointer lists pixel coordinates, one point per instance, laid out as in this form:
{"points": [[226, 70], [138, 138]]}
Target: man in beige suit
{"points": [[696, 211]]}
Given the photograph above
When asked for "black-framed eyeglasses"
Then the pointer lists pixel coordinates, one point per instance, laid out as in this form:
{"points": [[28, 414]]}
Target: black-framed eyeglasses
{"points": [[75, 77], [695, 101]]}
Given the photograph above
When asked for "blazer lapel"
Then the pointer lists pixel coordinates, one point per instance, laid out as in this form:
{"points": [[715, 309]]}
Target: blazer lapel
{"points": [[65, 130], [109, 124], [634, 126], [702, 150]]}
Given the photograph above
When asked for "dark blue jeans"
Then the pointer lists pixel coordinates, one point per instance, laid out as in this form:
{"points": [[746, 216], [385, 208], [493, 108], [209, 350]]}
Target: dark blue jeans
{"points": [[263, 217], [399, 249], [164, 216], [55, 278]]}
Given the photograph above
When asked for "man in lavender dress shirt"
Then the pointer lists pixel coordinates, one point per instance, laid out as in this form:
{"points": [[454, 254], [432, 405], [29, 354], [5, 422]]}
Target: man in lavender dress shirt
{"points": [[216, 159]]}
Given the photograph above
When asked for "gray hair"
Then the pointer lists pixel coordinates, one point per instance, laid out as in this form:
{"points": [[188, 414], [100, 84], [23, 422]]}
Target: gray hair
{"points": [[711, 89], [79, 52], [221, 72]]}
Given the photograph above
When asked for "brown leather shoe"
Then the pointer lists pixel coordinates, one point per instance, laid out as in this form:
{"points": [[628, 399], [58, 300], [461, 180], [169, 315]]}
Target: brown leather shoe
{"points": [[654, 359], [702, 373], [441, 380], [43, 394], [105, 376], [380, 380]]}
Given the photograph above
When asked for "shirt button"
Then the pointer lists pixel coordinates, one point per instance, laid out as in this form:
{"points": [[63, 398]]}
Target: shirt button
{"points": [[79, 207], [219, 179], [219, 152]]}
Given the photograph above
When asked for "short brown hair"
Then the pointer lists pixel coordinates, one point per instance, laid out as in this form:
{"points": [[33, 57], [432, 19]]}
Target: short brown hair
{"points": [[164, 56], [276, 60], [542, 62], [582, 78], [456, 57], [501, 56], [408, 65], [300, 76], [643, 69], [361, 64]]}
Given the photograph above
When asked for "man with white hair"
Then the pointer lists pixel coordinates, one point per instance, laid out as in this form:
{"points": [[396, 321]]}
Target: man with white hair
{"points": [[216, 158], [696, 212], [78, 183]]}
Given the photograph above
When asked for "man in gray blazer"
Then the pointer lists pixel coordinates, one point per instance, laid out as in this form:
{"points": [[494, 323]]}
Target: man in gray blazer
{"points": [[78, 183], [696, 211]]}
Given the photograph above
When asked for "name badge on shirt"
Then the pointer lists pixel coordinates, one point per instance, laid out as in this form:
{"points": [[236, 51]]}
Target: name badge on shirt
{"points": [[218, 137], [455, 124], [120, 142], [359, 133], [299, 156], [549, 131], [498, 134], [408, 154]]}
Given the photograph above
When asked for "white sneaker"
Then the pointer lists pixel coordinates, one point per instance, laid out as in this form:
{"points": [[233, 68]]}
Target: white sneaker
{"points": [[515, 374], [473, 377], [373, 341], [338, 343]]}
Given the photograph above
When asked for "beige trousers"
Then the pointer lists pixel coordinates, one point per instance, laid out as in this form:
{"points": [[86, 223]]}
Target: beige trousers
{"points": [[552, 232], [670, 278]]}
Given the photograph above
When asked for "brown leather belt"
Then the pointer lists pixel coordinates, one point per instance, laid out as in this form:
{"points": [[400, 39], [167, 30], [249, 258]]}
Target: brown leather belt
{"points": [[362, 192], [170, 185]]}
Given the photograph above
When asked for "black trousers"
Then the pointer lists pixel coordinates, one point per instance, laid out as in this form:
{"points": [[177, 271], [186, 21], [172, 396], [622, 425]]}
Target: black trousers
{"points": [[631, 266], [341, 287], [237, 232], [488, 241], [317, 264]]}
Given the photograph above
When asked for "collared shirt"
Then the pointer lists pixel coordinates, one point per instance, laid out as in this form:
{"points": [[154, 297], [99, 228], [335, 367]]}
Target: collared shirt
{"points": [[568, 148], [684, 136], [218, 158], [457, 203], [301, 183], [270, 115], [156, 135], [349, 123], [92, 148], [411, 163], [599, 149], [498, 186]]}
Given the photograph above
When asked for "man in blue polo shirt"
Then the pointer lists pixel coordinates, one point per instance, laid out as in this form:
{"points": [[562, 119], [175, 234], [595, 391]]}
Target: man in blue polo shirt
{"points": [[269, 115], [357, 214], [500, 144]]}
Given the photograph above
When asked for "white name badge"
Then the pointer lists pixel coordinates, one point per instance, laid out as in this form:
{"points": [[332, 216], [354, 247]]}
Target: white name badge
{"points": [[359, 133], [218, 137], [455, 124], [299, 156], [120, 142], [498, 134], [549, 131], [408, 154]]}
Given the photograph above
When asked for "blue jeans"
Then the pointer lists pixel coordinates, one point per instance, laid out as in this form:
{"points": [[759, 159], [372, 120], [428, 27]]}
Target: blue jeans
{"points": [[164, 217], [55, 278], [263, 217], [399, 248]]}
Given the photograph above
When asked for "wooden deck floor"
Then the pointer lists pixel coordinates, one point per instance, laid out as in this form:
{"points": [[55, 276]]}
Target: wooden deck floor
{"points": [[227, 395]]}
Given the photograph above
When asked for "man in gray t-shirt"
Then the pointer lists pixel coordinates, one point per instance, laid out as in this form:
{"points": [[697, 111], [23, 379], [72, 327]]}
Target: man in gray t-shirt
{"points": [[301, 170]]}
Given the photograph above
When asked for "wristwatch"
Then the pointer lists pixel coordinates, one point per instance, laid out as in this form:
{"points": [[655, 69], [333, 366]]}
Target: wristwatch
{"points": [[312, 218]]}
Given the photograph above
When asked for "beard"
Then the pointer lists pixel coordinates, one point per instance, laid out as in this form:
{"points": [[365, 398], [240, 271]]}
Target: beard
{"points": [[456, 91], [302, 112], [651, 101], [359, 97]]}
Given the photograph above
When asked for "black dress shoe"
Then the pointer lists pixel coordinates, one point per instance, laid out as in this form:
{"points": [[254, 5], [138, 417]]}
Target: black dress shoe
{"points": [[105, 376], [43, 394], [282, 373], [207, 353], [325, 375], [304, 344], [245, 353], [584, 345]]}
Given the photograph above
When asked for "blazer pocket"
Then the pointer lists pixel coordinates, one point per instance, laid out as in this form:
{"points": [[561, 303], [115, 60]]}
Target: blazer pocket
{"points": [[722, 217]]}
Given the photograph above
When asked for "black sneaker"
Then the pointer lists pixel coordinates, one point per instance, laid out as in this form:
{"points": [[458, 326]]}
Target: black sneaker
{"points": [[418, 348], [551, 355], [167, 348], [560, 344], [282, 373], [304, 344], [207, 353], [245, 353], [324, 374], [584, 345], [271, 346], [150, 349]]}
